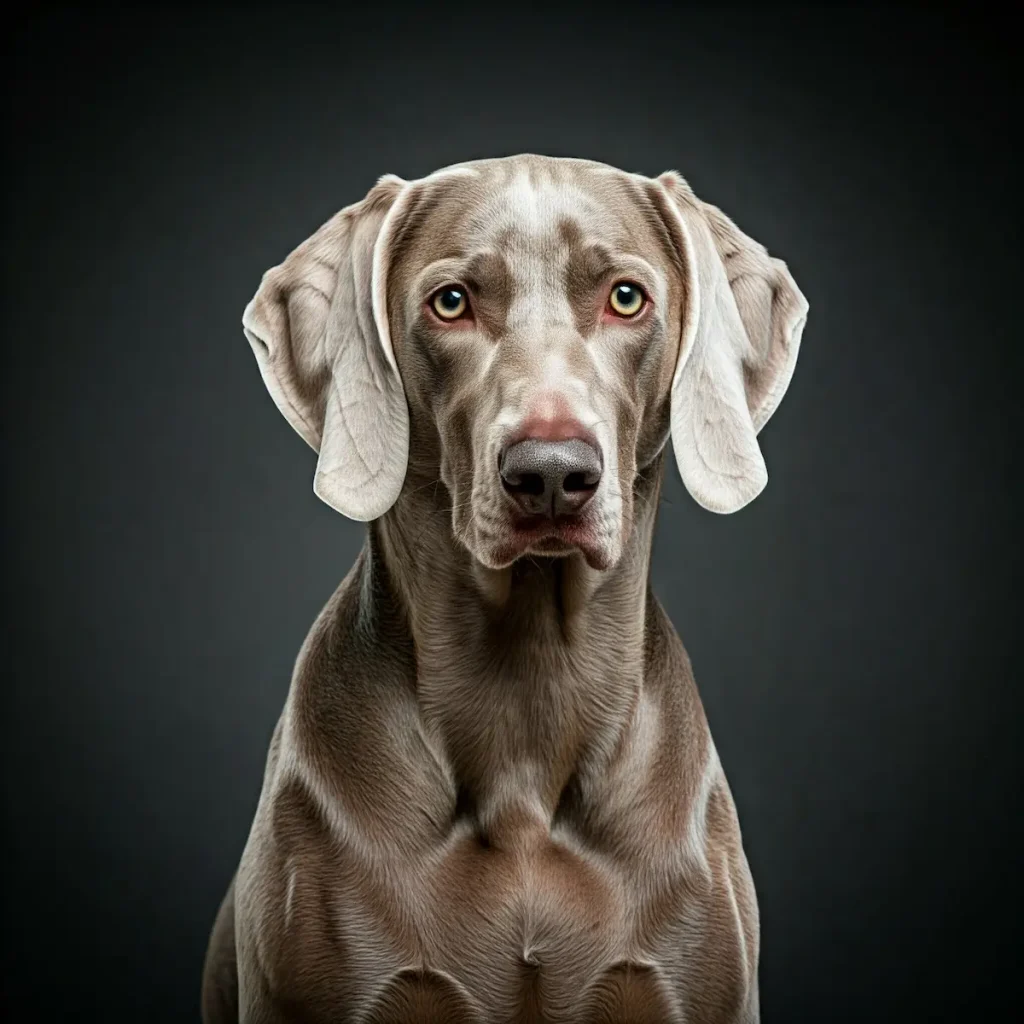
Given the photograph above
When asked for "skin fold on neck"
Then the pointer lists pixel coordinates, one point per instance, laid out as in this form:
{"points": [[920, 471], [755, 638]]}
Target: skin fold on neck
{"points": [[527, 678]]}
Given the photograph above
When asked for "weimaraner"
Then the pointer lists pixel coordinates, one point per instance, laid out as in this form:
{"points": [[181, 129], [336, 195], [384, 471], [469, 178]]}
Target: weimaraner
{"points": [[492, 795]]}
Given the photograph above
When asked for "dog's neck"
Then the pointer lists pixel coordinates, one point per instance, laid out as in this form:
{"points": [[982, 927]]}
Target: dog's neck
{"points": [[528, 677]]}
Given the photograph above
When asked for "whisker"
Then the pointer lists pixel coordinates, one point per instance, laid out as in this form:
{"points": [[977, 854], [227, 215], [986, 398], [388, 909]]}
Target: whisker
{"points": [[423, 487]]}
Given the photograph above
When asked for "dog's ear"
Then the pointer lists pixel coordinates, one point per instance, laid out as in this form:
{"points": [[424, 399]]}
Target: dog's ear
{"points": [[319, 329], [741, 333]]}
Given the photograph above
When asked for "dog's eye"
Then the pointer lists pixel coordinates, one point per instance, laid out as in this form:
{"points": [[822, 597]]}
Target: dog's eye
{"points": [[449, 303], [626, 299]]}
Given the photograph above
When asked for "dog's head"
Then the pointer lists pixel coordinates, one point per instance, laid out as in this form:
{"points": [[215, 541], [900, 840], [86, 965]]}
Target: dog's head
{"points": [[529, 331]]}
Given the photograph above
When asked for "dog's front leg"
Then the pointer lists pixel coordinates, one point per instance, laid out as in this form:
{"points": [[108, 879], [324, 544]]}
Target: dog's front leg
{"points": [[219, 999]]}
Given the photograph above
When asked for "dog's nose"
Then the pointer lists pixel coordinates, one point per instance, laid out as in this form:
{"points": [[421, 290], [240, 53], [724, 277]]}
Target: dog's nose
{"points": [[550, 477]]}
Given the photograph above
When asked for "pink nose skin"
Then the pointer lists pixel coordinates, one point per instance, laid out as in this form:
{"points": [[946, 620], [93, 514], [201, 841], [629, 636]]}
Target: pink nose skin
{"points": [[551, 467], [551, 419]]}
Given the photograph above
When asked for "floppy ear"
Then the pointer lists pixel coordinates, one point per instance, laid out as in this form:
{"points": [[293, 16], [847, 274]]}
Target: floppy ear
{"points": [[318, 327], [741, 335]]}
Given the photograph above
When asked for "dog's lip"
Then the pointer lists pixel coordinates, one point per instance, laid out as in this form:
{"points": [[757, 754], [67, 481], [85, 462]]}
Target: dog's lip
{"points": [[543, 536], [532, 529]]}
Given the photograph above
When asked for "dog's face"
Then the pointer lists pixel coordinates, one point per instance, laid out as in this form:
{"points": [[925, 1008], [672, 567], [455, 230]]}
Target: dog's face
{"points": [[535, 315], [529, 330]]}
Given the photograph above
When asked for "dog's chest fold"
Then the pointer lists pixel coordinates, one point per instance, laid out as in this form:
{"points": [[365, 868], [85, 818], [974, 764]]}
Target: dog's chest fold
{"points": [[526, 921], [510, 915]]}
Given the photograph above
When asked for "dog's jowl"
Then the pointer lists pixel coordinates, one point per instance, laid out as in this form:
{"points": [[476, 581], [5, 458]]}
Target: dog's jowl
{"points": [[492, 795]]}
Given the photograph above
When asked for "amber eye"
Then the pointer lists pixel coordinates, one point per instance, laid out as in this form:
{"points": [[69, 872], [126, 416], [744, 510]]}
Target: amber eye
{"points": [[449, 303], [626, 299]]}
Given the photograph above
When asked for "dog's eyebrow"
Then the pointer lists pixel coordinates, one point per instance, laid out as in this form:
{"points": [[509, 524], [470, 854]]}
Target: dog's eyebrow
{"points": [[593, 261], [587, 262], [587, 258], [489, 271], [491, 279]]}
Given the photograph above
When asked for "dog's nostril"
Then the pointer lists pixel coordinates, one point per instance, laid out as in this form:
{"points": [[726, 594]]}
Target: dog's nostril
{"points": [[525, 483], [576, 482]]}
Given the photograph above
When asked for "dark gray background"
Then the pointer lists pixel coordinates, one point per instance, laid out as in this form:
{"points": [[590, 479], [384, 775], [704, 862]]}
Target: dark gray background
{"points": [[852, 631]]}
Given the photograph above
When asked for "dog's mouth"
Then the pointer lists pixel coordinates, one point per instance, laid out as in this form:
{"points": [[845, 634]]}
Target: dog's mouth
{"points": [[551, 538]]}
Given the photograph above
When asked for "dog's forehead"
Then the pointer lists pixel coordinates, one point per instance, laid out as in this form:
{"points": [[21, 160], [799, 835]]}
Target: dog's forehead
{"points": [[528, 205], [525, 204]]}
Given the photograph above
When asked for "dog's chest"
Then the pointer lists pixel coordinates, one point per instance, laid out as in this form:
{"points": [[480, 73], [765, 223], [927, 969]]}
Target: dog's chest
{"points": [[537, 928], [511, 912]]}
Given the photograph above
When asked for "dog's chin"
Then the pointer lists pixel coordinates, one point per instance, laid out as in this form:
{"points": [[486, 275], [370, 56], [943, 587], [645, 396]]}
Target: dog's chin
{"points": [[546, 539]]}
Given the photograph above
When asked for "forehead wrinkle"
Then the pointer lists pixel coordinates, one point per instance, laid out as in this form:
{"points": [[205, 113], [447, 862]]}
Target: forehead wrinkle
{"points": [[432, 213], [646, 202]]}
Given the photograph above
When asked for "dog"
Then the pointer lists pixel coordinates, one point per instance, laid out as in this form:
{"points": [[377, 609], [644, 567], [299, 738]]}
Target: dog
{"points": [[492, 795]]}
